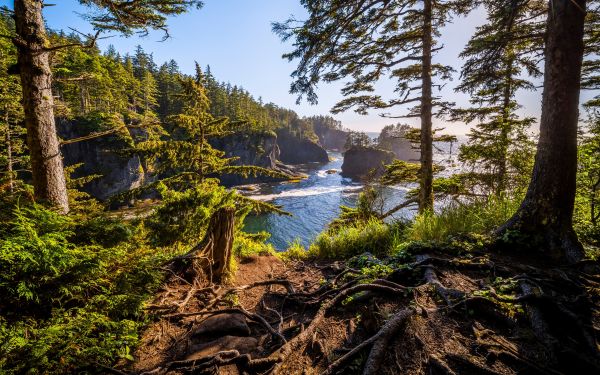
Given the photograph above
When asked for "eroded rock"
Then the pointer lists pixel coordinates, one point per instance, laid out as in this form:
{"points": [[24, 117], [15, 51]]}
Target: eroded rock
{"points": [[223, 324], [244, 345]]}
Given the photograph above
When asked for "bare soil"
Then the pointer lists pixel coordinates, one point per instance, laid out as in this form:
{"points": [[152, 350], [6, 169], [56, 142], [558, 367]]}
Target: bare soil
{"points": [[439, 314]]}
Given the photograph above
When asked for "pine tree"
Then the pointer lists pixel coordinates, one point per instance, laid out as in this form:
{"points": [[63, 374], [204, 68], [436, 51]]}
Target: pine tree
{"points": [[546, 212], [500, 58], [11, 114], [36, 79], [367, 41]]}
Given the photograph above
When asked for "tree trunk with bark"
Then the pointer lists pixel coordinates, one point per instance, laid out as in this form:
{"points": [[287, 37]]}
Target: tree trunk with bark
{"points": [[38, 104], [211, 258], [426, 172], [546, 213]]}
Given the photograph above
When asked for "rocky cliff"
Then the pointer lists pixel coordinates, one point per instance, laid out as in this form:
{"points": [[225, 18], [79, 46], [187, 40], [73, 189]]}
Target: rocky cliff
{"points": [[121, 170], [257, 148], [106, 156], [359, 161], [400, 146], [332, 139], [296, 150]]}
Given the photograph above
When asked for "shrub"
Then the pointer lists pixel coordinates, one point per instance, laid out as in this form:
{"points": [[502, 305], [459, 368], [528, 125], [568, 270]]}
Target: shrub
{"points": [[67, 305], [295, 251], [372, 236], [249, 244], [479, 217]]}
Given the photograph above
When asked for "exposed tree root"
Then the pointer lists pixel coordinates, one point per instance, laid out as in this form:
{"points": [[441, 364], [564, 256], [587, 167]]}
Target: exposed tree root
{"points": [[379, 342], [489, 308], [385, 335]]}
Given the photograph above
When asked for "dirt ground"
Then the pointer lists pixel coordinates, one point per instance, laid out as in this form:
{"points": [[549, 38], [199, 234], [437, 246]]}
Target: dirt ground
{"points": [[441, 314]]}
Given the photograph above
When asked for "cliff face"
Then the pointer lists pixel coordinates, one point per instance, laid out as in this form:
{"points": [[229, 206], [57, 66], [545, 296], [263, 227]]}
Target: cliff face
{"points": [[333, 139], [121, 171], [360, 161], [401, 147], [105, 156], [259, 149], [295, 150]]}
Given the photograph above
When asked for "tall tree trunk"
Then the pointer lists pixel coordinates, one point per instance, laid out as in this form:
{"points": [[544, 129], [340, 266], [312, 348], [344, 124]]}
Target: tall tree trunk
{"points": [[9, 157], [426, 173], [36, 80], [546, 213]]}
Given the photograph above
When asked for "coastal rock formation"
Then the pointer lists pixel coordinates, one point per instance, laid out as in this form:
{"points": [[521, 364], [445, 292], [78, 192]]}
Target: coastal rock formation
{"points": [[404, 150], [359, 161], [332, 139], [252, 148], [106, 156], [296, 150], [393, 138]]}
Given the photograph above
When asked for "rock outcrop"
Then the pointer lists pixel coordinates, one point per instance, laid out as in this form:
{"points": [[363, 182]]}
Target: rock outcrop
{"points": [[400, 146], [361, 161], [296, 150], [333, 139], [106, 156], [260, 149]]}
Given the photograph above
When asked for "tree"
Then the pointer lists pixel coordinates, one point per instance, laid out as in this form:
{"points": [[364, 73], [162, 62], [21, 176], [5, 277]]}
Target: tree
{"points": [[36, 78], [10, 113], [546, 212], [368, 41], [357, 139], [500, 57], [588, 175]]}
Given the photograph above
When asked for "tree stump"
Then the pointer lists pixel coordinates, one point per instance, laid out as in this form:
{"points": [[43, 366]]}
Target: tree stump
{"points": [[212, 256]]}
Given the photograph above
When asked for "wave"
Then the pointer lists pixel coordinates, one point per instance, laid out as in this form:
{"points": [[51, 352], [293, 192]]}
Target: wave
{"points": [[306, 192]]}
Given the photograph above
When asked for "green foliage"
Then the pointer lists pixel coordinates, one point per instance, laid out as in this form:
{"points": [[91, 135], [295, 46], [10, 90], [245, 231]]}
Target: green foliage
{"points": [[38, 259], [500, 151], [344, 242], [369, 206], [295, 251], [246, 245], [184, 215], [587, 212], [479, 217], [73, 290], [357, 139]]}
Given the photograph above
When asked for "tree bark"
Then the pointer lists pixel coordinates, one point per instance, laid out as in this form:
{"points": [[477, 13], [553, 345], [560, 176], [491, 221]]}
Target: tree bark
{"points": [[212, 256], [546, 212], [426, 173], [38, 104]]}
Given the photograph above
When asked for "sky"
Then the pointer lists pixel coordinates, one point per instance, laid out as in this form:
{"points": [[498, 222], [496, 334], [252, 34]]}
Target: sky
{"points": [[234, 37]]}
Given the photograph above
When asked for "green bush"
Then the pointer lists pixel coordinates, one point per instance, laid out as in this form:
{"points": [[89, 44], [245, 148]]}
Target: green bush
{"points": [[68, 304], [343, 242], [295, 251], [479, 217], [249, 244]]}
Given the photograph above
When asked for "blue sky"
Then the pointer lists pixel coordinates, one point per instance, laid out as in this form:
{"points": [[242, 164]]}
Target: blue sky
{"points": [[234, 37]]}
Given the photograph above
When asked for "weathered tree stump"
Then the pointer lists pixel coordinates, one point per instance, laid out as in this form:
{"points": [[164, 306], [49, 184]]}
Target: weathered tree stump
{"points": [[212, 256]]}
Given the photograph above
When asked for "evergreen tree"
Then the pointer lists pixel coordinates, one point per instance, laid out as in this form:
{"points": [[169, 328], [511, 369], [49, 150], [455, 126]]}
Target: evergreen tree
{"points": [[500, 57], [546, 212], [367, 41], [36, 79], [11, 115]]}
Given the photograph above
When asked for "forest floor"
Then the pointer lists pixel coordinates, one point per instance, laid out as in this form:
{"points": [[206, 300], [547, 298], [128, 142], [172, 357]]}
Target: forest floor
{"points": [[438, 314]]}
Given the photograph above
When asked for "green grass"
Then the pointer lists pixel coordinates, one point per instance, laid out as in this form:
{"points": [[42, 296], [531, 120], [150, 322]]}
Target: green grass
{"points": [[479, 217], [295, 251], [344, 242]]}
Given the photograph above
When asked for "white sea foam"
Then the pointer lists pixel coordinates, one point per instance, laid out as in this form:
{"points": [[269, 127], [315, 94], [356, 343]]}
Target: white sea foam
{"points": [[293, 193]]}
